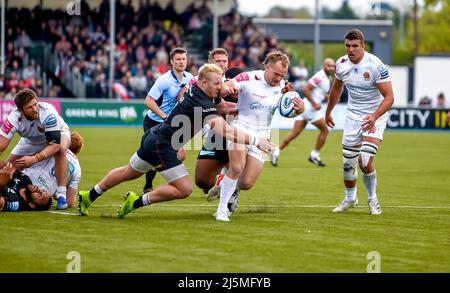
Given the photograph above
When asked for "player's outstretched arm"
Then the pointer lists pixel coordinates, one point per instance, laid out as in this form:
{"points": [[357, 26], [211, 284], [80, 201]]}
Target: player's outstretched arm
{"points": [[4, 142], [221, 127]]}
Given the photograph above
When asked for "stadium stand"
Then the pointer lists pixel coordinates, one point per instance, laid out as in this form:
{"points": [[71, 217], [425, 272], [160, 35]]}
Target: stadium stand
{"points": [[61, 55]]}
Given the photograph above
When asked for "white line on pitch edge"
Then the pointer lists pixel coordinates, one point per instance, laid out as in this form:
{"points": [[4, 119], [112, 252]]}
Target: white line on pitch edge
{"points": [[287, 206]]}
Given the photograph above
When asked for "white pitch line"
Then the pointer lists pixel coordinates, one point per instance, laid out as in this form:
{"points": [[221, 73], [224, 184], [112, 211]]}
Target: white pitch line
{"points": [[288, 206], [62, 213]]}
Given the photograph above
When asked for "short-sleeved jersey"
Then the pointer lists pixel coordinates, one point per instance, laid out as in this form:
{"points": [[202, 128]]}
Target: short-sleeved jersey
{"points": [[165, 92], [42, 174], [257, 101], [11, 193], [189, 115], [361, 82], [33, 131], [321, 84]]}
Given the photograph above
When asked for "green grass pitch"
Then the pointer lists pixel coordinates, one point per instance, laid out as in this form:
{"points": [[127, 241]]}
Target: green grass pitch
{"points": [[284, 224]]}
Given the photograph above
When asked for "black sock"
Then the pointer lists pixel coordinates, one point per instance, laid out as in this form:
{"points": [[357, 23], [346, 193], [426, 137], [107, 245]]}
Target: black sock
{"points": [[93, 194], [138, 203]]}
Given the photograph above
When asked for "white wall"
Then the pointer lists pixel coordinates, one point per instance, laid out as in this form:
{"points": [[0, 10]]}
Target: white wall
{"points": [[399, 78], [431, 77]]}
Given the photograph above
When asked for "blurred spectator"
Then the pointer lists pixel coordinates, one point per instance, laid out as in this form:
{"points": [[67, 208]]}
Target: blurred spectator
{"points": [[425, 102], [299, 76], [144, 35], [440, 101], [28, 72]]}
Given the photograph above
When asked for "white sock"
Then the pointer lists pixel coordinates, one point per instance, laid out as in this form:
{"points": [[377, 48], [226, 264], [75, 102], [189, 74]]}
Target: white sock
{"points": [[315, 153], [61, 191], [227, 188], [146, 199], [350, 193], [98, 189], [224, 170], [370, 180]]}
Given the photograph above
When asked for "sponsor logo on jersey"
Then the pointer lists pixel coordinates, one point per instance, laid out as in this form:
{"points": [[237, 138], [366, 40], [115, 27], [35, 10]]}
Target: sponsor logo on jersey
{"points": [[259, 106], [208, 110], [40, 129], [7, 126], [259, 96], [343, 60], [366, 75]]}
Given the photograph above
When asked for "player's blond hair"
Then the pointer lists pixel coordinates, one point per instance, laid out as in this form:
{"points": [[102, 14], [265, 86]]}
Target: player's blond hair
{"points": [[76, 142], [274, 57], [207, 69]]}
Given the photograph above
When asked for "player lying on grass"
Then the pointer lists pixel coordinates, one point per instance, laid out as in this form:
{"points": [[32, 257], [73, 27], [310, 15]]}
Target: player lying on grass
{"points": [[17, 193], [43, 134], [42, 173], [159, 146]]}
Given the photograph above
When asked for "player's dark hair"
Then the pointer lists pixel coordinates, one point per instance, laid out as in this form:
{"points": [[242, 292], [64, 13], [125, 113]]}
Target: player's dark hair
{"points": [[217, 51], [177, 50], [38, 207], [232, 72], [24, 97], [354, 34]]}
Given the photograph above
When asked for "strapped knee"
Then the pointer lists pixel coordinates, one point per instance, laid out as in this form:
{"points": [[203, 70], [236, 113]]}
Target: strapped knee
{"points": [[368, 150], [350, 163]]}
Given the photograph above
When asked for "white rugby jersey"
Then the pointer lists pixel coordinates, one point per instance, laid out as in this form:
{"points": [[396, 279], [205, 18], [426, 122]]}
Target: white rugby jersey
{"points": [[321, 84], [42, 173], [257, 101], [33, 131], [361, 82]]}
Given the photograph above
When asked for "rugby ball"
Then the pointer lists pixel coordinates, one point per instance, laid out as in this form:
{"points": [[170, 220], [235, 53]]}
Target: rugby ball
{"points": [[286, 106]]}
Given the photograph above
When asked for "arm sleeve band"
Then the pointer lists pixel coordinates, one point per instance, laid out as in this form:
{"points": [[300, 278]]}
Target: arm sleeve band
{"points": [[53, 137]]}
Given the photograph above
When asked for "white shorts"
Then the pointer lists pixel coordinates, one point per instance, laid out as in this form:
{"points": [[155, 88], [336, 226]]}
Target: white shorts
{"points": [[25, 148], [353, 132], [310, 115], [251, 149]]}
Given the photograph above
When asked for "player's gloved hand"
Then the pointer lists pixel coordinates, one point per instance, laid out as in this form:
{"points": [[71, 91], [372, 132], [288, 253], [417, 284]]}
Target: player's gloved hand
{"points": [[299, 105]]}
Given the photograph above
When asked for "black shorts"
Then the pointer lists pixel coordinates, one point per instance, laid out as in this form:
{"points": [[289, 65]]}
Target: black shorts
{"points": [[157, 151], [149, 123], [212, 151]]}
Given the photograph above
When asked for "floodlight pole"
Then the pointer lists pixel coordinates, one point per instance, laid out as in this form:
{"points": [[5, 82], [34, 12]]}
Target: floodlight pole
{"points": [[112, 33], [316, 38], [2, 69], [215, 25]]}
